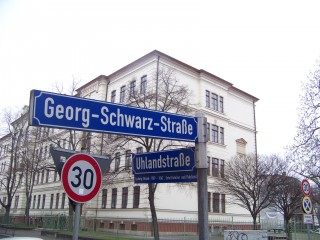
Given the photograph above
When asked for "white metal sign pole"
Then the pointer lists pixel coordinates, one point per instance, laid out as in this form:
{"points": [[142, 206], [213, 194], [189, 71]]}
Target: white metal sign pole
{"points": [[202, 166]]}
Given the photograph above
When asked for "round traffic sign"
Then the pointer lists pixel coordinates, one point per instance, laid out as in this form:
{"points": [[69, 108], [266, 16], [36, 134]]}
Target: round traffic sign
{"points": [[81, 177], [307, 205], [306, 188]]}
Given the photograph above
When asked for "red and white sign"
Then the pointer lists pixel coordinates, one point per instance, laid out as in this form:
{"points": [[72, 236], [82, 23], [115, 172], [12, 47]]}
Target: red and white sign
{"points": [[305, 187], [81, 177]]}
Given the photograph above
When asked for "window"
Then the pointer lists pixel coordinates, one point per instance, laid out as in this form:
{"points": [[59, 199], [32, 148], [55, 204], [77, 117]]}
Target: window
{"points": [[134, 227], [124, 197], [128, 160], [51, 200], [208, 170], [222, 168], [16, 201], [117, 162], [122, 93], [214, 133], [132, 92], [43, 201], [39, 198], [113, 96], [207, 99], [63, 199], [215, 202], [214, 99], [57, 200], [136, 196], [143, 86], [55, 176], [34, 201], [47, 175], [114, 198], [209, 201], [221, 135], [216, 102], [223, 203], [221, 104], [38, 177], [215, 167], [104, 198], [217, 134], [42, 176], [122, 226], [139, 149]]}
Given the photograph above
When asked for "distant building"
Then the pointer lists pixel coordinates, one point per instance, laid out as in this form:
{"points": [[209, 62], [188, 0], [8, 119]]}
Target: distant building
{"points": [[230, 114]]}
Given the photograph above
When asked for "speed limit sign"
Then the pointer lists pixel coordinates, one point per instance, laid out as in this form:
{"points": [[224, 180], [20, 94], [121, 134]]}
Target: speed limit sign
{"points": [[81, 177]]}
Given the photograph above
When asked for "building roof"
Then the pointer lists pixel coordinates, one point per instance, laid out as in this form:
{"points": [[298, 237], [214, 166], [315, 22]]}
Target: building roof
{"points": [[156, 53]]}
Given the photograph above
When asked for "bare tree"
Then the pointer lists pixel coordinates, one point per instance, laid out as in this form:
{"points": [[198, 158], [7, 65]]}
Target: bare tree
{"points": [[75, 139], [250, 182], [166, 95], [306, 149], [288, 198], [34, 161], [11, 174]]}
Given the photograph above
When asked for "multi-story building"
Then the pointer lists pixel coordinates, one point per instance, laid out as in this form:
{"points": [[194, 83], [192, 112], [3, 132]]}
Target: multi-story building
{"points": [[147, 82]]}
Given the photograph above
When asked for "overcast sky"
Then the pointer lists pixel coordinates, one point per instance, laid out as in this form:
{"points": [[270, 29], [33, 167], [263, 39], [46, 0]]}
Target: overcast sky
{"points": [[265, 48]]}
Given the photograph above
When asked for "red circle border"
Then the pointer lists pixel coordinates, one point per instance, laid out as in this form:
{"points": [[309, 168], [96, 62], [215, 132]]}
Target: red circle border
{"points": [[64, 177], [303, 181]]}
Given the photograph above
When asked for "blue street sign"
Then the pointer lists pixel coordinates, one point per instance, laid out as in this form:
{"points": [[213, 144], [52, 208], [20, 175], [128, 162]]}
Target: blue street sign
{"points": [[169, 177], [177, 160], [63, 111]]}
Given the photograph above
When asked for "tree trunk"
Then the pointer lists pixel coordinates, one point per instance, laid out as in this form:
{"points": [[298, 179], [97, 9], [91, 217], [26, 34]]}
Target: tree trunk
{"points": [[7, 215], [255, 226], [287, 228], [27, 213], [153, 212]]}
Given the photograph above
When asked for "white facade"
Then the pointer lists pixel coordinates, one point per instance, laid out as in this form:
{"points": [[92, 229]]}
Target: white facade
{"points": [[229, 111]]}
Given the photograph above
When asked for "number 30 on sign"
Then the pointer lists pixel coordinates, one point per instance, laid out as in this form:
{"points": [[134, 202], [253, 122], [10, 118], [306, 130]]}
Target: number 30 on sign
{"points": [[81, 177]]}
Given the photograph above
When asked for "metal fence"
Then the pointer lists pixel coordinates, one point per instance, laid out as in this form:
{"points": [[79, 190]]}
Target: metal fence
{"points": [[184, 229]]}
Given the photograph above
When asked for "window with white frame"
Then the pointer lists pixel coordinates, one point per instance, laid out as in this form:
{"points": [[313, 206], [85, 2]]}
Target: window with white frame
{"points": [[117, 162], [124, 197], [214, 101], [43, 201], [217, 134], [104, 198], [122, 93], [207, 99], [221, 104], [114, 198], [136, 196], [221, 135], [143, 86], [128, 160], [215, 202], [214, 133], [113, 96], [132, 91], [215, 167]]}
